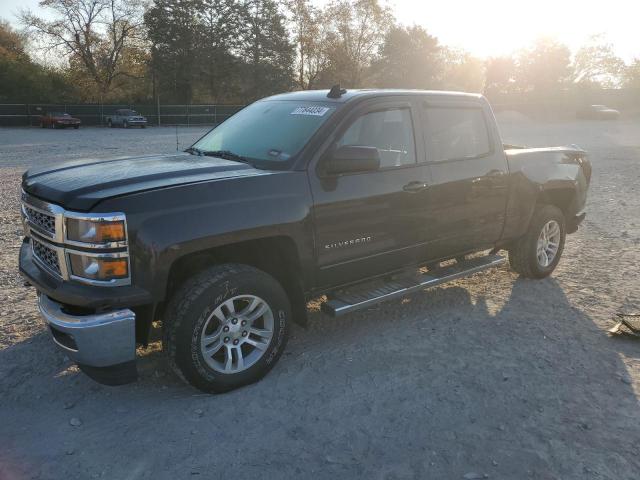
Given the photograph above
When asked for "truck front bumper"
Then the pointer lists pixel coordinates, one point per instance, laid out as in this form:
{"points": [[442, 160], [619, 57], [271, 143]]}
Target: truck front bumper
{"points": [[574, 221], [103, 344]]}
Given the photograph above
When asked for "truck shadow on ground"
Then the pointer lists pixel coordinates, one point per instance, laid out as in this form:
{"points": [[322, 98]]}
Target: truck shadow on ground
{"points": [[433, 385]]}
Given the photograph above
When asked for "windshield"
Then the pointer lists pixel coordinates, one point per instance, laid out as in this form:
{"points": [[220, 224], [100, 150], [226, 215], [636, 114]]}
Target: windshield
{"points": [[128, 112], [59, 114], [269, 130]]}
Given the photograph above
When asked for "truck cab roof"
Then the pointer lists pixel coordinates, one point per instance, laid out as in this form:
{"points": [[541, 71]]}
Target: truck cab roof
{"points": [[351, 94]]}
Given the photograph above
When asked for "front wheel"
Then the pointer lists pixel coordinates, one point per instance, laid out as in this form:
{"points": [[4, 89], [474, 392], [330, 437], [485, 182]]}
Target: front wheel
{"points": [[226, 327], [537, 253]]}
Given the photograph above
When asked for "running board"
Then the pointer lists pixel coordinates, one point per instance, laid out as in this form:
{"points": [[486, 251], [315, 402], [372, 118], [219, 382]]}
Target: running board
{"points": [[348, 301]]}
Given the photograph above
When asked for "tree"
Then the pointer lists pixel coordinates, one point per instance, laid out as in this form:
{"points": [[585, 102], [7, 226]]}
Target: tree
{"points": [[269, 53], [223, 27], [310, 32], [357, 30], [632, 74], [22, 80], [500, 73], [461, 71], [596, 64], [173, 31], [543, 68], [408, 58], [94, 32], [12, 43]]}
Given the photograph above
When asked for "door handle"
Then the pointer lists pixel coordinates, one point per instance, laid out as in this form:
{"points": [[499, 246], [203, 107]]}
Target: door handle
{"points": [[413, 187], [496, 173]]}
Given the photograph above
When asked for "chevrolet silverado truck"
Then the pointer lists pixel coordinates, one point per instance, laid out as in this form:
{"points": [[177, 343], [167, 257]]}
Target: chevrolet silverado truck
{"points": [[363, 196], [126, 118]]}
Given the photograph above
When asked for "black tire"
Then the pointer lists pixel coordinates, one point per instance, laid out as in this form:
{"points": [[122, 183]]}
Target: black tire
{"points": [[125, 124], [42, 125], [523, 256], [187, 312], [109, 124], [76, 127], [142, 126]]}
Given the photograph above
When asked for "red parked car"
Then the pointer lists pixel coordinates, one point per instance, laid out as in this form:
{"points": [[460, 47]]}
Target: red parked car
{"points": [[59, 120]]}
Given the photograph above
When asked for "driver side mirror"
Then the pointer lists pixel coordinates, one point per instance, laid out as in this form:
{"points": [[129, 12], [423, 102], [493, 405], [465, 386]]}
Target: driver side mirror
{"points": [[351, 159]]}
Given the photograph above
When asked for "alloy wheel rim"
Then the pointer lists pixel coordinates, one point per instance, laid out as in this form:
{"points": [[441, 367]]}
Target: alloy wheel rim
{"points": [[237, 334], [548, 243]]}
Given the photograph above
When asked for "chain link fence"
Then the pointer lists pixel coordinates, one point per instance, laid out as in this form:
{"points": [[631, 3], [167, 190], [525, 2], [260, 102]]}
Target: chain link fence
{"points": [[25, 115]]}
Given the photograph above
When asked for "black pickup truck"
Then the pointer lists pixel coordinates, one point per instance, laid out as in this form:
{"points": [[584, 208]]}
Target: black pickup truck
{"points": [[362, 196]]}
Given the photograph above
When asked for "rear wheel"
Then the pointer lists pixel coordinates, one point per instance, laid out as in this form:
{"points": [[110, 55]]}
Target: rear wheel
{"points": [[537, 253], [226, 327], [109, 124], [125, 124]]}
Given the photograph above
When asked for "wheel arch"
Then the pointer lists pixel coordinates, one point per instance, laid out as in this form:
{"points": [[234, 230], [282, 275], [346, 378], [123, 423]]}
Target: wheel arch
{"points": [[562, 197], [276, 255]]}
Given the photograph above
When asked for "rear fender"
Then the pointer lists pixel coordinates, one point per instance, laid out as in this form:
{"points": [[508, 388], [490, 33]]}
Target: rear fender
{"points": [[557, 176]]}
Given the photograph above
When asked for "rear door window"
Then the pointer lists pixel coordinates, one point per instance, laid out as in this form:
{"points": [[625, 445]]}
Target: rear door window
{"points": [[453, 133]]}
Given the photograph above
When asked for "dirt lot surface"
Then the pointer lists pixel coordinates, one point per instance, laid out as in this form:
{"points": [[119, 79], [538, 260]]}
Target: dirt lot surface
{"points": [[488, 377]]}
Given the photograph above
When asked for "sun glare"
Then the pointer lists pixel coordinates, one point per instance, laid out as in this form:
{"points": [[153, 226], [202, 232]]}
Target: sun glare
{"points": [[498, 27]]}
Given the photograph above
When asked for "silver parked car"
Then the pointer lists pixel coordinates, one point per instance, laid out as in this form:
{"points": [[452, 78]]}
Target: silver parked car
{"points": [[598, 112], [126, 118]]}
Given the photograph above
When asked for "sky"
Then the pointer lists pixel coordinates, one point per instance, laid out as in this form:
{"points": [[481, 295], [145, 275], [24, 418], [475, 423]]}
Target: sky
{"points": [[498, 27]]}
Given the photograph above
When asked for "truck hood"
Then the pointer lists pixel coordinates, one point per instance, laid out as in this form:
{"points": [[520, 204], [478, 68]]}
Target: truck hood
{"points": [[81, 184]]}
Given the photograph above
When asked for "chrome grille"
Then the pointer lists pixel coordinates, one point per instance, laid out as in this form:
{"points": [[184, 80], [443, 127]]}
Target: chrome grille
{"points": [[41, 220], [46, 255]]}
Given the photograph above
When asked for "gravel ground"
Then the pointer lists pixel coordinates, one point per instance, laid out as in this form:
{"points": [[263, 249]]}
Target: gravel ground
{"points": [[488, 377]]}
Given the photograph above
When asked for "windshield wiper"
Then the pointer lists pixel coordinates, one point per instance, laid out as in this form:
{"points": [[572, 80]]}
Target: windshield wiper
{"points": [[194, 151], [225, 154]]}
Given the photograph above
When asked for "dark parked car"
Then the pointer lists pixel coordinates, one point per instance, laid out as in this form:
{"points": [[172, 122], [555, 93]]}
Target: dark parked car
{"points": [[362, 196], [598, 112], [126, 118], [59, 120]]}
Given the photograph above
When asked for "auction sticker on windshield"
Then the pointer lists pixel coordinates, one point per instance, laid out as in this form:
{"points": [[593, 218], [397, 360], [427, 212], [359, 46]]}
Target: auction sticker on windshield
{"points": [[313, 111]]}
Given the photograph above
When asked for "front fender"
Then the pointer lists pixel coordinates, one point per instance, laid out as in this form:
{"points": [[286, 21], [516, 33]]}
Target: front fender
{"points": [[169, 223]]}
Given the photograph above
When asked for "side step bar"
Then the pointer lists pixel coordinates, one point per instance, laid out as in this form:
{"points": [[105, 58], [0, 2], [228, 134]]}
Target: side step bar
{"points": [[348, 301]]}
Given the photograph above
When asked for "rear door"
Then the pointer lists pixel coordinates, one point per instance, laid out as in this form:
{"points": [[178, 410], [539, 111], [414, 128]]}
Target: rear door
{"points": [[368, 223], [469, 176]]}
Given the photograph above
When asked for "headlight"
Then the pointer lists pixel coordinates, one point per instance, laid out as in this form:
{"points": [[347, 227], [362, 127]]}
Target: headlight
{"points": [[95, 231], [98, 268]]}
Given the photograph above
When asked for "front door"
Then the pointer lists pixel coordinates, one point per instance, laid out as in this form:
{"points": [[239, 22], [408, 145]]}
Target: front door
{"points": [[368, 223]]}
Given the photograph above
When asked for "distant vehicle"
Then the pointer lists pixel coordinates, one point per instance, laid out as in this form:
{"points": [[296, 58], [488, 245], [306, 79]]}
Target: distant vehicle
{"points": [[59, 120], [598, 112], [126, 118]]}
